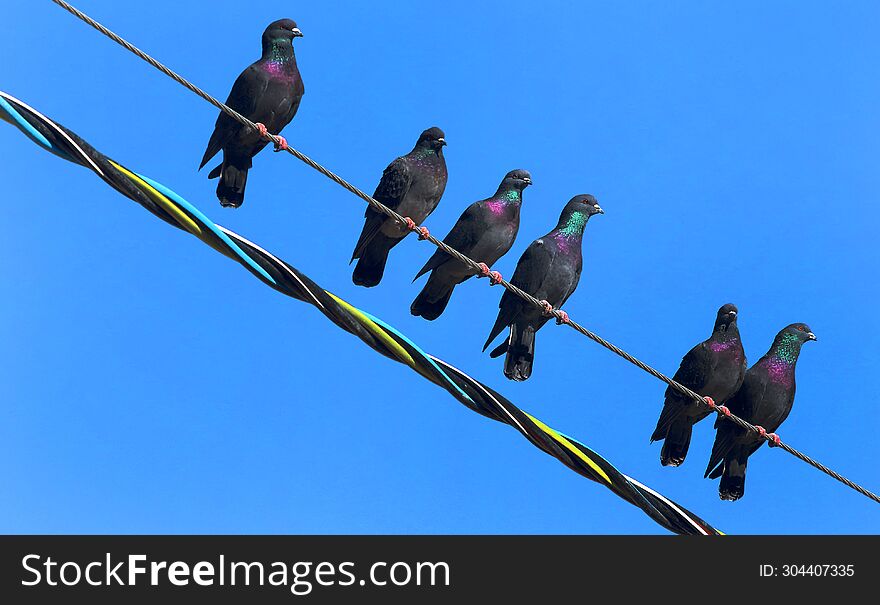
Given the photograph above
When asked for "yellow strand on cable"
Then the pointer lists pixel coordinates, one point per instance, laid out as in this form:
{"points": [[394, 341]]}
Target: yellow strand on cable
{"points": [[176, 213], [569, 446]]}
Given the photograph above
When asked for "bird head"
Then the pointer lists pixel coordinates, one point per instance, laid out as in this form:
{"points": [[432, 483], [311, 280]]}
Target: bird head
{"points": [[432, 138], [800, 332], [516, 179], [585, 203], [726, 317], [283, 29]]}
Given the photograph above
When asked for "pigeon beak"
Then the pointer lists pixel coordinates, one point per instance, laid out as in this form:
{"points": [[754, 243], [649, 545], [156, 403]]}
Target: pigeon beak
{"points": [[599, 209], [811, 336], [442, 141], [296, 32], [527, 181]]}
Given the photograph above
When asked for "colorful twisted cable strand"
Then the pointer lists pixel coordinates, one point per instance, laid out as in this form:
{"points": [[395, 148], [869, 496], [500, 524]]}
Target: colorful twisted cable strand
{"points": [[381, 337]]}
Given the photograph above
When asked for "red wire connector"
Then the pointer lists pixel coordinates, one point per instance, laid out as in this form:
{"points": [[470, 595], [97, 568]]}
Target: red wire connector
{"points": [[494, 276]]}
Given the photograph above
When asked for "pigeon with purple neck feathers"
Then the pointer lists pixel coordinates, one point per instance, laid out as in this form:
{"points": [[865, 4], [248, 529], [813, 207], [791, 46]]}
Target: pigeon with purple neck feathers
{"points": [[549, 269], [714, 368], [411, 185], [764, 399], [268, 92], [485, 232]]}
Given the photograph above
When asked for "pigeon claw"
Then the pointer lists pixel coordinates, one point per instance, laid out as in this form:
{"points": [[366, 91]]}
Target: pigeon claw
{"points": [[281, 143], [562, 317], [775, 441], [548, 308], [723, 409], [261, 128], [411, 225], [710, 402], [494, 276]]}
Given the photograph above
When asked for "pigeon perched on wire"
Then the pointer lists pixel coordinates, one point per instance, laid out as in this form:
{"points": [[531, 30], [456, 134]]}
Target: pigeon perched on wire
{"points": [[411, 185], [764, 400], [714, 368], [549, 270], [268, 93], [485, 232]]}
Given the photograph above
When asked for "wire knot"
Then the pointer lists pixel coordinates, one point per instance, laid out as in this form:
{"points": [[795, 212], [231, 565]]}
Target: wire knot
{"points": [[494, 276]]}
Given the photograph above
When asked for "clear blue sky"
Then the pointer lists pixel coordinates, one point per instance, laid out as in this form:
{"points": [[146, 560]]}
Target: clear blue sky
{"points": [[147, 384]]}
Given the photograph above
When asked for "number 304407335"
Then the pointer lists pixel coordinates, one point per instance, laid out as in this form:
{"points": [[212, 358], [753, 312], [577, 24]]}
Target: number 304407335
{"points": [[818, 569]]}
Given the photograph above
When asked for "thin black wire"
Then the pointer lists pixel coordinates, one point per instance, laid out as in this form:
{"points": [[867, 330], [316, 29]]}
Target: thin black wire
{"points": [[561, 318]]}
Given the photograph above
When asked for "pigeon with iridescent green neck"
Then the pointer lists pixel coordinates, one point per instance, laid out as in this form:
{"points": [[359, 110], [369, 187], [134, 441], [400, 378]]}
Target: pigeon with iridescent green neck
{"points": [[268, 92], [549, 270], [412, 185], [714, 368], [765, 399], [484, 232]]}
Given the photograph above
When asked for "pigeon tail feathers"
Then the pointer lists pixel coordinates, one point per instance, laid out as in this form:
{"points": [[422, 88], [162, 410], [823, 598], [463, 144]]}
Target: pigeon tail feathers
{"points": [[733, 479], [676, 443], [370, 267], [432, 300], [520, 353], [230, 188]]}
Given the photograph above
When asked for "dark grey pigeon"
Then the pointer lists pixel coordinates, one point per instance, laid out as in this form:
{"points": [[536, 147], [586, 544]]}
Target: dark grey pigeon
{"points": [[714, 368], [549, 270], [412, 185], [764, 399], [268, 92], [484, 232]]}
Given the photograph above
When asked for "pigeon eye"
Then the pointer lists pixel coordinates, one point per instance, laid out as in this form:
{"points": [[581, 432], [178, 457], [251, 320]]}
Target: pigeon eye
{"points": [[800, 328]]}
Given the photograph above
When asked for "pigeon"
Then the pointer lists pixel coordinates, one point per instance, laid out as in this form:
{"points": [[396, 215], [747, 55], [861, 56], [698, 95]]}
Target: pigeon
{"points": [[549, 270], [267, 92], [485, 232], [764, 399], [714, 368], [412, 185]]}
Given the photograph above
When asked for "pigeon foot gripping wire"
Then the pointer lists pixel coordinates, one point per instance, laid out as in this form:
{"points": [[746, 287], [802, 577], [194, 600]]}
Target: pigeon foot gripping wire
{"points": [[494, 276], [279, 141]]}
